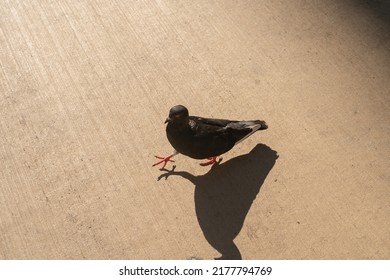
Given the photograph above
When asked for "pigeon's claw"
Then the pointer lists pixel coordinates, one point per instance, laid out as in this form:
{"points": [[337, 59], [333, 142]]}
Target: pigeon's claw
{"points": [[164, 160], [211, 160]]}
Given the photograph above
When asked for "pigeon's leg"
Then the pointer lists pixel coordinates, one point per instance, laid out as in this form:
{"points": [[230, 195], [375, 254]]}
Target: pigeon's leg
{"points": [[211, 160], [165, 160]]}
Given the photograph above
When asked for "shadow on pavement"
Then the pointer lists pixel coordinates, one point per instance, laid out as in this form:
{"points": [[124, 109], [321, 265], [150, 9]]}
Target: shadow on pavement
{"points": [[224, 195]]}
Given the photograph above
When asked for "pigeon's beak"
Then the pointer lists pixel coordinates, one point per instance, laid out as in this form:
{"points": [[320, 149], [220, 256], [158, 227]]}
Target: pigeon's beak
{"points": [[167, 120]]}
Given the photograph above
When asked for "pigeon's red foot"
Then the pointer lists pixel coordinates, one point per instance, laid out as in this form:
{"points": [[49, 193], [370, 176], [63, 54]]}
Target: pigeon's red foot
{"points": [[211, 160], [164, 160]]}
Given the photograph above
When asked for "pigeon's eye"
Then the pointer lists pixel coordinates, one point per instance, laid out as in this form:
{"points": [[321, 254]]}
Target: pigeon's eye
{"points": [[177, 116]]}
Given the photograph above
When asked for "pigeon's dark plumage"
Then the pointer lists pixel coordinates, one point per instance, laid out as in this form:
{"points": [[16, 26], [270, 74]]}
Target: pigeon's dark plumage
{"points": [[201, 138]]}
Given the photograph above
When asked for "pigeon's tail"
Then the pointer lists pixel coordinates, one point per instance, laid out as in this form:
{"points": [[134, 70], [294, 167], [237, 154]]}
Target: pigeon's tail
{"points": [[261, 124], [253, 126]]}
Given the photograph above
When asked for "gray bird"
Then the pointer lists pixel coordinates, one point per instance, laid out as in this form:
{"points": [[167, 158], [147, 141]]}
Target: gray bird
{"points": [[204, 138]]}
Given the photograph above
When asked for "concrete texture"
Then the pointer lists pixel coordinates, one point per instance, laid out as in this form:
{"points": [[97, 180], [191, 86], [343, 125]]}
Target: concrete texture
{"points": [[86, 85]]}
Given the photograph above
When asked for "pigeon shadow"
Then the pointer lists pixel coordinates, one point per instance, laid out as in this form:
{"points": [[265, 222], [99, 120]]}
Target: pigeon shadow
{"points": [[224, 195]]}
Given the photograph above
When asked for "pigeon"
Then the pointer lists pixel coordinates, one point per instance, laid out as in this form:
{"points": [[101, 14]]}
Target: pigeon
{"points": [[204, 138]]}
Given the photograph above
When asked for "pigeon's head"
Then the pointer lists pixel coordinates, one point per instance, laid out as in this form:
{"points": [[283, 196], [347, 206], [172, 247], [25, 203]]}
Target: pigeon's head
{"points": [[178, 114]]}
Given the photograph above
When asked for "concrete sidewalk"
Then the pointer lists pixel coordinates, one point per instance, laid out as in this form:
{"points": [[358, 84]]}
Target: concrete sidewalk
{"points": [[85, 87]]}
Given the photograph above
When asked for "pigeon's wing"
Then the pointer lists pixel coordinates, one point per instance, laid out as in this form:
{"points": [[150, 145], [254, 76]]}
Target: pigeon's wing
{"points": [[206, 127], [212, 137], [212, 122], [215, 126]]}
